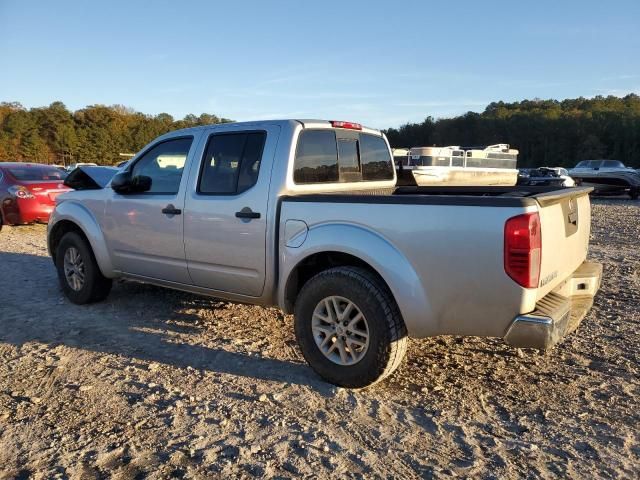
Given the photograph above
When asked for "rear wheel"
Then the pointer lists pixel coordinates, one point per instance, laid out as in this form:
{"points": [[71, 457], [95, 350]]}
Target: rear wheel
{"points": [[349, 327], [78, 272]]}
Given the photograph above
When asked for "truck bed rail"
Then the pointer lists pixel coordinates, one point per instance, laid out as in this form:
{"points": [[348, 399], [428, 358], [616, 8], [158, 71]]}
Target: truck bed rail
{"points": [[516, 196]]}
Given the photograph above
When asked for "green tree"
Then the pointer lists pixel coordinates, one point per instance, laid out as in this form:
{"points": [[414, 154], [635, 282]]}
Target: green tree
{"points": [[546, 132], [33, 148]]}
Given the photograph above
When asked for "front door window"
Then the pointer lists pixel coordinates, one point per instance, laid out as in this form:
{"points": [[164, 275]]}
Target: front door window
{"points": [[164, 164]]}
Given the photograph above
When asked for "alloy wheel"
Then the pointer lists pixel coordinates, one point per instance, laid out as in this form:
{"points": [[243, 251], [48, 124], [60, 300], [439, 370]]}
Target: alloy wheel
{"points": [[340, 330], [74, 268]]}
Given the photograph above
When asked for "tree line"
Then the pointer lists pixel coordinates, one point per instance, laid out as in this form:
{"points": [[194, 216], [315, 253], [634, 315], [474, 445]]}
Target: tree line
{"points": [[97, 133], [546, 132]]}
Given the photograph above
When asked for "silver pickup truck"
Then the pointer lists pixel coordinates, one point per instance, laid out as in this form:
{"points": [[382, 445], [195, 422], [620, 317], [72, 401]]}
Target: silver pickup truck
{"points": [[306, 215]]}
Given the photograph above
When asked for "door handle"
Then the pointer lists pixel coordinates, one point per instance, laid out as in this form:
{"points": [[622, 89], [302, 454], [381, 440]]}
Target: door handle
{"points": [[171, 210], [246, 212]]}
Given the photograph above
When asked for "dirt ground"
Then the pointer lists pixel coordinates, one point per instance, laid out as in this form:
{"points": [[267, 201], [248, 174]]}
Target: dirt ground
{"points": [[157, 384]]}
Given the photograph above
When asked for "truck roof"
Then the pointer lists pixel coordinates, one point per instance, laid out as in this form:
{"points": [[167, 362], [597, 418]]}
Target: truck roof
{"points": [[306, 123]]}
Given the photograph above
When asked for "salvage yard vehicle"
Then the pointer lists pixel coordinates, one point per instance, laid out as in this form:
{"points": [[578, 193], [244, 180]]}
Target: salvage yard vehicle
{"points": [[28, 192], [90, 177], [552, 176], [73, 166], [306, 215], [607, 177]]}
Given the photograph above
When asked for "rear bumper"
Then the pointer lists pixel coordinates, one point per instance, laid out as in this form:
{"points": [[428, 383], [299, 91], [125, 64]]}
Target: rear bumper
{"points": [[26, 210], [559, 313]]}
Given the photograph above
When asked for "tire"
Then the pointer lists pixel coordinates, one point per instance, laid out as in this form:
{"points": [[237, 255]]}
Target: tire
{"points": [[94, 286], [634, 193], [387, 334]]}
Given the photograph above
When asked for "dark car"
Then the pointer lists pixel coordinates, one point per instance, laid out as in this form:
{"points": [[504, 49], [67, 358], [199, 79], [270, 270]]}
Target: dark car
{"points": [[607, 177], [28, 192]]}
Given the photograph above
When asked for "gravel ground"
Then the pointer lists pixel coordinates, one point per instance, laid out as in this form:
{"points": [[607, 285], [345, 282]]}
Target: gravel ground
{"points": [[156, 384]]}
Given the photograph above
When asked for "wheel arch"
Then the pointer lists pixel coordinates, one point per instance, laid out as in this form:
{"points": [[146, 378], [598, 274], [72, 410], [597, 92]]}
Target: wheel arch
{"points": [[318, 262], [59, 230], [72, 217], [333, 245]]}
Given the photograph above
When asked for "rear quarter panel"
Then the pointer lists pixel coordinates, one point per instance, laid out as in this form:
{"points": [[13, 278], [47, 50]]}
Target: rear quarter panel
{"points": [[443, 264]]}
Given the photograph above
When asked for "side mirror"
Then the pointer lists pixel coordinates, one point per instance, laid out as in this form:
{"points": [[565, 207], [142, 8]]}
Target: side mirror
{"points": [[123, 183]]}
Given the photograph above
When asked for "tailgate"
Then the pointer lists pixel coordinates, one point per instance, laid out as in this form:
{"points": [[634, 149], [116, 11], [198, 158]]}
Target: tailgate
{"points": [[565, 224]]}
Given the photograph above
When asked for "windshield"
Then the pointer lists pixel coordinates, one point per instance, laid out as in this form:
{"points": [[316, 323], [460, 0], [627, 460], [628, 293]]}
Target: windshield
{"points": [[588, 164], [39, 173]]}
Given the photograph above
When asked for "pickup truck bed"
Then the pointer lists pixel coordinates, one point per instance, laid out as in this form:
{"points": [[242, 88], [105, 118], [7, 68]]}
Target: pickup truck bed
{"points": [[425, 243]]}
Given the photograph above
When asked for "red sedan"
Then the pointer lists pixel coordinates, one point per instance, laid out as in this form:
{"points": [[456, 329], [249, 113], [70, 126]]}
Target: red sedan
{"points": [[28, 192]]}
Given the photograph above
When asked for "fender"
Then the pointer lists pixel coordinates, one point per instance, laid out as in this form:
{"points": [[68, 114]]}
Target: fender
{"points": [[370, 247], [77, 213]]}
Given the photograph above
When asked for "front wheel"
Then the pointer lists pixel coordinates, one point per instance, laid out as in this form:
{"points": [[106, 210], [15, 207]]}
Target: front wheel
{"points": [[78, 272], [349, 327]]}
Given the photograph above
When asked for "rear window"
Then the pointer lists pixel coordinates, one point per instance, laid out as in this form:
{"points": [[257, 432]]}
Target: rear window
{"points": [[348, 160], [376, 162], [37, 174], [323, 158], [613, 164]]}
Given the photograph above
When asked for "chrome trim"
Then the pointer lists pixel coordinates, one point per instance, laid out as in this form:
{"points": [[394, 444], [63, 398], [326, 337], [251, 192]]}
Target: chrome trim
{"points": [[530, 331], [558, 313]]}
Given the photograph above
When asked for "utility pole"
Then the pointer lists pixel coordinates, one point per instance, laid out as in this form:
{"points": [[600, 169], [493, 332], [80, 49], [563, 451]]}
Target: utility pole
{"points": [[67, 157]]}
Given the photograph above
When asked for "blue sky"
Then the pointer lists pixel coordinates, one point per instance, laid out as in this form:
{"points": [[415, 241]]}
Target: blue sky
{"points": [[380, 63]]}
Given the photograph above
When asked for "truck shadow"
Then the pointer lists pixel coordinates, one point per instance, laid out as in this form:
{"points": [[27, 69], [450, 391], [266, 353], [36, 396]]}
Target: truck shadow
{"points": [[138, 321]]}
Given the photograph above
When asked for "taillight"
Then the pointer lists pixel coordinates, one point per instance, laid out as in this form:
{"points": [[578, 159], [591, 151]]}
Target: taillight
{"points": [[523, 249], [347, 125], [19, 191]]}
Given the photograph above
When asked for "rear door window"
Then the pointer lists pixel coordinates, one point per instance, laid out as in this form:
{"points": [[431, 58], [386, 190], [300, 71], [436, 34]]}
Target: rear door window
{"points": [[231, 163], [316, 157]]}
